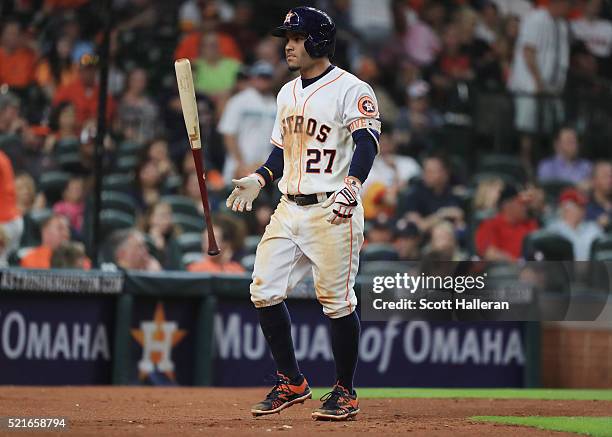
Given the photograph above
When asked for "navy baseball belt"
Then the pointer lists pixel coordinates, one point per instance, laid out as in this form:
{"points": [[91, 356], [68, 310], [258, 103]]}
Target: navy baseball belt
{"points": [[308, 199]]}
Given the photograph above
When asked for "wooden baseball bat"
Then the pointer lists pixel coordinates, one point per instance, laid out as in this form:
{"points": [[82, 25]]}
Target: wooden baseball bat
{"points": [[184, 79]]}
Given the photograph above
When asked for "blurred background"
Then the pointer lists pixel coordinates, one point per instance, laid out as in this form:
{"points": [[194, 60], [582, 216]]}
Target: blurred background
{"points": [[481, 156]]}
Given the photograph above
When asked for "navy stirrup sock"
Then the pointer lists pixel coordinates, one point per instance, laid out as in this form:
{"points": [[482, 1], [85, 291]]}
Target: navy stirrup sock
{"points": [[276, 326], [345, 346]]}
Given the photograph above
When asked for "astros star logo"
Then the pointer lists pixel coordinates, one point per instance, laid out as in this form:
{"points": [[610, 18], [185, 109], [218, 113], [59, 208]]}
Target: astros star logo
{"points": [[366, 106], [288, 17], [157, 338]]}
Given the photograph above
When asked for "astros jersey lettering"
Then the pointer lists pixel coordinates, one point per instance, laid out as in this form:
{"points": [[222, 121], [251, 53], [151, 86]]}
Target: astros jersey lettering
{"points": [[314, 126]]}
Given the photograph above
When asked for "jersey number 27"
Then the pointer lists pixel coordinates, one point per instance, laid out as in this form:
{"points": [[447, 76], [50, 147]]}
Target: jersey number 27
{"points": [[314, 159]]}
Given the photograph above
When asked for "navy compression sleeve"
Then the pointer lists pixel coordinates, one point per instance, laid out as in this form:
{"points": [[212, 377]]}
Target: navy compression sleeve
{"points": [[366, 148], [273, 168]]}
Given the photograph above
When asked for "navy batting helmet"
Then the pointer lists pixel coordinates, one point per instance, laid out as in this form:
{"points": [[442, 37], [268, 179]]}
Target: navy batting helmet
{"points": [[318, 27]]}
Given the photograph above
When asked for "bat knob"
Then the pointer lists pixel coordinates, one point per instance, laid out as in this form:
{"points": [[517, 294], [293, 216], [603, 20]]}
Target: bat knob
{"points": [[214, 252]]}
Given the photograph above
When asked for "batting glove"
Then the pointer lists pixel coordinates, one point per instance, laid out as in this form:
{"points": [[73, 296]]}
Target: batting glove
{"points": [[246, 191], [343, 202]]}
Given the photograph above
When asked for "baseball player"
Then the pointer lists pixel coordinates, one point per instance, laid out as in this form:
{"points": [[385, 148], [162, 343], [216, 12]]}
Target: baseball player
{"points": [[325, 138]]}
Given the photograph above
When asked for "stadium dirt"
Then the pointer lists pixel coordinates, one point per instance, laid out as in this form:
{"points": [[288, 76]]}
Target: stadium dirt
{"points": [[136, 411]]}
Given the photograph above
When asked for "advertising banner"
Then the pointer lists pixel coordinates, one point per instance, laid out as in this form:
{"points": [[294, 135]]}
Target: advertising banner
{"points": [[392, 354], [53, 339]]}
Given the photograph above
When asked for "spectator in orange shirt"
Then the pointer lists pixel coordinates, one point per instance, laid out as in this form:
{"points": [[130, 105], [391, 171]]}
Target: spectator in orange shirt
{"points": [[221, 263], [83, 92], [189, 46], [10, 216], [55, 231], [17, 62], [57, 68]]}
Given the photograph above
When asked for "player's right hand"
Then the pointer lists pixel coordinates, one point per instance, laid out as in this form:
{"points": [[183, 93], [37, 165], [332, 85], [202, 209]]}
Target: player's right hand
{"points": [[245, 192]]}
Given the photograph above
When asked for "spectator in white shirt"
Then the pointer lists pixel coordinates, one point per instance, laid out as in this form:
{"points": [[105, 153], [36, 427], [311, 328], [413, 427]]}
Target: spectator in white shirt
{"points": [[541, 60], [594, 31], [246, 124]]}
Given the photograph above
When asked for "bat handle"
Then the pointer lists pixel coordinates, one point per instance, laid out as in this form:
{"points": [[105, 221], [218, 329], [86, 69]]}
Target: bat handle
{"points": [[213, 248]]}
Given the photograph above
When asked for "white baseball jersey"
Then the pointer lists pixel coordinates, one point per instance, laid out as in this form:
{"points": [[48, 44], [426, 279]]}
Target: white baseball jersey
{"points": [[313, 126]]}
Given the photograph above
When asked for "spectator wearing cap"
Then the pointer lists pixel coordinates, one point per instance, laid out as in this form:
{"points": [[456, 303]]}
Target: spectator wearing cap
{"points": [[572, 225], [416, 121], [389, 175], [599, 208], [10, 216], [83, 91], [432, 199], [380, 230], [246, 123], [500, 238], [565, 165], [407, 241], [215, 74], [17, 61]]}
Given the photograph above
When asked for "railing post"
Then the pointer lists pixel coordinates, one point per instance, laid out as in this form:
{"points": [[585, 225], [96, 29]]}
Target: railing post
{"points": [[204, 341], [121, 354]]}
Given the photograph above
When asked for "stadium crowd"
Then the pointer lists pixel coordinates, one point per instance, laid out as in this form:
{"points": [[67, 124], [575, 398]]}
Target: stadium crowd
{"points": [[455, 179]]}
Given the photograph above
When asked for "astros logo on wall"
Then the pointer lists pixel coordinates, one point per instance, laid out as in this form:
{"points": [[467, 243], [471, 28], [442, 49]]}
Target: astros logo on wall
{"points": [[157, 338], [366, 106]]}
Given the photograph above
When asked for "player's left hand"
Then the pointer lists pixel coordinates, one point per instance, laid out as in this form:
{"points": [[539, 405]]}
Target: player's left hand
{"points": [[343, 201]]}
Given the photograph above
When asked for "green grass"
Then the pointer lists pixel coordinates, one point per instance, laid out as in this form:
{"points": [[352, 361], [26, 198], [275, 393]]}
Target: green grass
{"points": [[593, 426], [498, 393]]}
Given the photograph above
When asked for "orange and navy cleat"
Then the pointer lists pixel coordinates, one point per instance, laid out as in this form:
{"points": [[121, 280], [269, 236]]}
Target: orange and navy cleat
{"points": [[338, 404], [283, 395]]}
